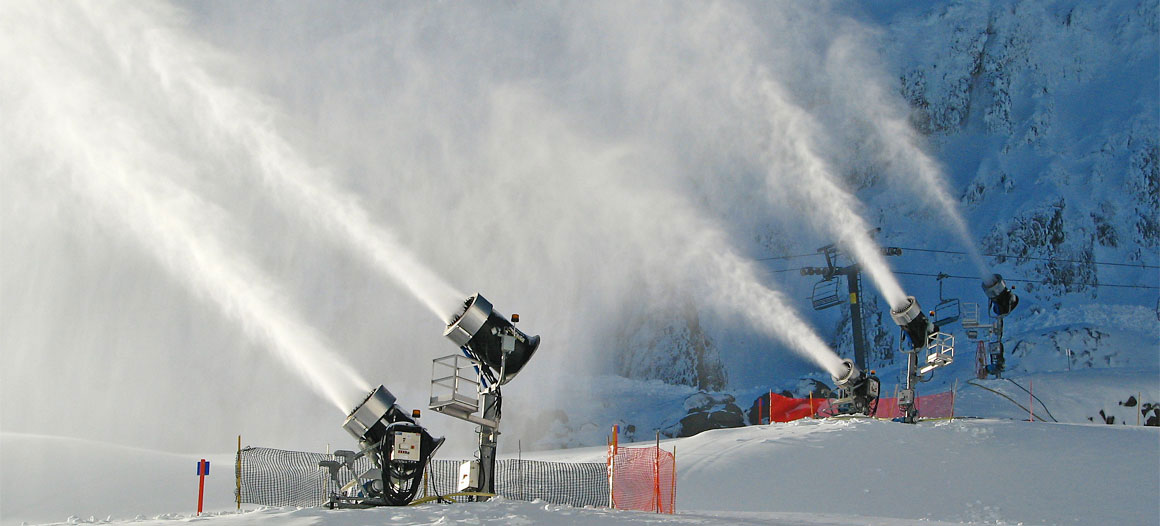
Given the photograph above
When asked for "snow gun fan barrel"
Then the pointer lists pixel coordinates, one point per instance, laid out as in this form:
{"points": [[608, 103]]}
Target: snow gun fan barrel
{"points": [[912, 320], [490, 338], [851, 376], [1003, 298], [859, 391], [369, 420]]}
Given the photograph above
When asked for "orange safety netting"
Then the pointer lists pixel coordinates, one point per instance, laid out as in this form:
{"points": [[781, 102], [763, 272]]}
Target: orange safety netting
{"points": [[642, 479]]}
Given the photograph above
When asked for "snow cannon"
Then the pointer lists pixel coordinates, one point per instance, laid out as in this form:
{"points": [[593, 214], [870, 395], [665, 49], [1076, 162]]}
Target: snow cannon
{"points": [[398, 447], [914, 323], [1003, 298], [858, 390], [488, 337], [497, 351]]}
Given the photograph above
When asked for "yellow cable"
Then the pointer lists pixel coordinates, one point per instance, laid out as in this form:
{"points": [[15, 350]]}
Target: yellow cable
{"points": [[425, 500]]}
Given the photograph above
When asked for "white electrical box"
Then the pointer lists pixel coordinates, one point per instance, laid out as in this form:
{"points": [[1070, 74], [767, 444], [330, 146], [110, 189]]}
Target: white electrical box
{"points": [[906, 397], [468, 476], [406, 446]]}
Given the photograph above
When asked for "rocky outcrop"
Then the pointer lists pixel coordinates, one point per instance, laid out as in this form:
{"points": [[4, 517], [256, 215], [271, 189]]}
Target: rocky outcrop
{"points": [[707, 411]]}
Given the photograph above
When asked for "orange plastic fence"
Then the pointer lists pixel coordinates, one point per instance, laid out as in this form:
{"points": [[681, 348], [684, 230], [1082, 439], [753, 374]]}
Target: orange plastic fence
{"points": [[642, 479]]}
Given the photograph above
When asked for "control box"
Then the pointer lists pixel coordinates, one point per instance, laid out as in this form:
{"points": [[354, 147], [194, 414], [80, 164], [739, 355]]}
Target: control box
{"points": [[406, 446], [468, 476]]}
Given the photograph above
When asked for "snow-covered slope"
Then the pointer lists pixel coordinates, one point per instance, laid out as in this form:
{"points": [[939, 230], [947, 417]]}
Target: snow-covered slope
{"points": [[808, 472], [49, 478]]}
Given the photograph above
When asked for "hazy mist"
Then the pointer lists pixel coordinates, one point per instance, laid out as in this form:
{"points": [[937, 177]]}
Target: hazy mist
{"points": [[223, 218]]}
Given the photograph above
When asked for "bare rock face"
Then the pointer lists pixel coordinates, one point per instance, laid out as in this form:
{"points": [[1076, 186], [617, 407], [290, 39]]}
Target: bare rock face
{"points": [[707, 411], [1065, 171]]}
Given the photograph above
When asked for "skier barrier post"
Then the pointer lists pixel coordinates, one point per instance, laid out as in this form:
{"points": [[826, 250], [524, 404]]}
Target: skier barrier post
{"points": [[238, 474], [202, 471]]}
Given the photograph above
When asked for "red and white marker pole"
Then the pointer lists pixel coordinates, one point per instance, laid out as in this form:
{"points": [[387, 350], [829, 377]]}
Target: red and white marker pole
{"points": [[202, 471]]}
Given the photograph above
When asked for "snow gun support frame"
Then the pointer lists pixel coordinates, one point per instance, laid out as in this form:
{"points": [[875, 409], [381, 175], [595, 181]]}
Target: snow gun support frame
{"points": [[937, 350]]}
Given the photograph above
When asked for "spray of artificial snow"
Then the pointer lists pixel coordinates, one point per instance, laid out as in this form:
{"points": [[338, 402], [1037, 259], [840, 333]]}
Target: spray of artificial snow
{"points": [[793, 163], [734, 284], [104, 151], [230, 117], [894, 140]]}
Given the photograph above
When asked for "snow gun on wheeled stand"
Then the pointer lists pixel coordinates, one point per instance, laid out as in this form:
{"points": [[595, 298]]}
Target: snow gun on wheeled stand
{"points": [[858, 391], [397, 446]]}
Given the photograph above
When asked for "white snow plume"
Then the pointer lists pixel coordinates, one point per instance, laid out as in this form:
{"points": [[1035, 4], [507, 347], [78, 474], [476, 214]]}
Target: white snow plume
{"points": [[733, 284], [542, 167], [859, 80], [788, 145], [554, 156], [651, 233], [794, 163], [77, 136], [157, 54]]}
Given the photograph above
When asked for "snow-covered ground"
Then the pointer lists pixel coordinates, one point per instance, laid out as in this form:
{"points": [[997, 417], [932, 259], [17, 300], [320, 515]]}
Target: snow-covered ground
{"points": [[843, 471]]}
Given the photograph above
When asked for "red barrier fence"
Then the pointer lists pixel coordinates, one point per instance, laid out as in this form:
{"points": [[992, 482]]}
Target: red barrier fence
{"points": [[938, 405], [785, 409], [642, 478], [777, 408]]}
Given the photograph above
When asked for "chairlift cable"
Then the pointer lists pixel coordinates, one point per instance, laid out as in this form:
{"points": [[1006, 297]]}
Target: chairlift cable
{"points": [[1040, 282], [1017, 257], [1017, 280]]}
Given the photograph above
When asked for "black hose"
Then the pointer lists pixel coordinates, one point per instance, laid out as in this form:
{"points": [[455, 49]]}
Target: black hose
{"points": [[1012, 400], [1035, 397]]}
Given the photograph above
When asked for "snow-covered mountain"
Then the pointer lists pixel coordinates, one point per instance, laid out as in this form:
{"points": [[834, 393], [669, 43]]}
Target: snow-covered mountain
{"points": [[1046, 118]]}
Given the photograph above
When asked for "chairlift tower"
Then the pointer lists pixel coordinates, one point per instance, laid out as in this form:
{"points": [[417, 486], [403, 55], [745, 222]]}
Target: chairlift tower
{"points": [[826, 295]]}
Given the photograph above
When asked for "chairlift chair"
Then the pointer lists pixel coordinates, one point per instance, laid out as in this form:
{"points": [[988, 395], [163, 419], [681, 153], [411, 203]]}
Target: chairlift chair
{"points": [[948, 310], [826, 294]]}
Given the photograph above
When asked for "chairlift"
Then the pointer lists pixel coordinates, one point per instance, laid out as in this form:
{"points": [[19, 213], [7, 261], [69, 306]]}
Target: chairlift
{"points": [[948, 310], [826, 294]]}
